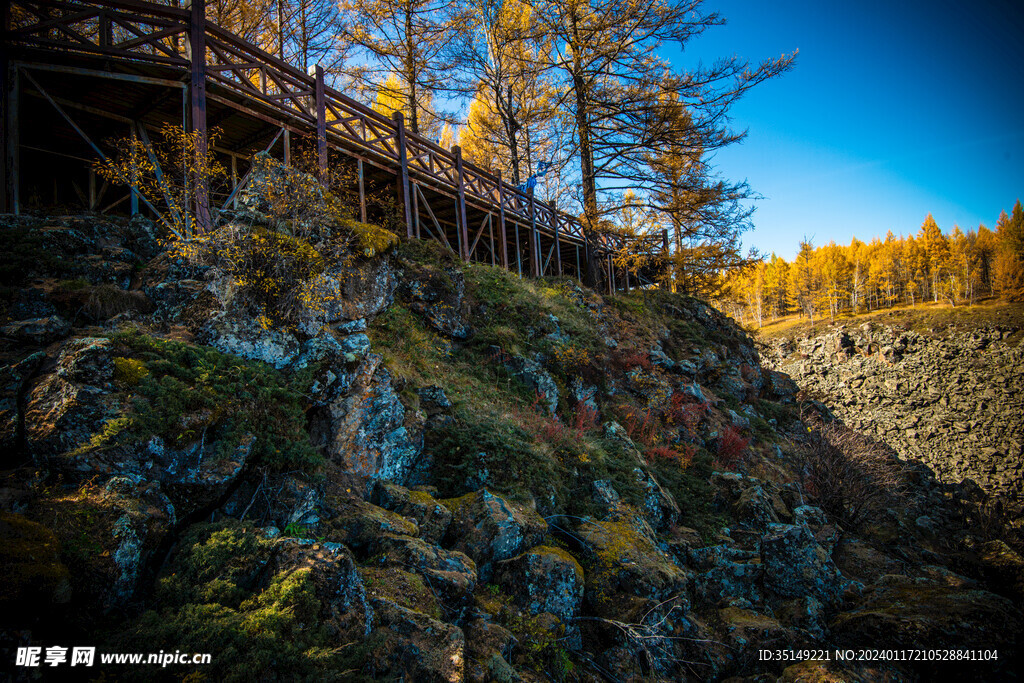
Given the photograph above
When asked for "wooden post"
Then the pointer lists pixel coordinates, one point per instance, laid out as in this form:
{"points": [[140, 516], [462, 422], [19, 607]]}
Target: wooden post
{"points": [[321, 126], [197, 57], [463, 224], [558, 243], [234, 180], [415, 205], [534, 246], [11, 157], [403, 176], [92, 190], [501, 218], [362, 190], [611, 275], [135, 179]]}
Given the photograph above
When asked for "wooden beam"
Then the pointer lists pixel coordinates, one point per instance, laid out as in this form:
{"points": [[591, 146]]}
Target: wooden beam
{"points": [[11, 171], [558, 239], [92, 144], [415, 205]]}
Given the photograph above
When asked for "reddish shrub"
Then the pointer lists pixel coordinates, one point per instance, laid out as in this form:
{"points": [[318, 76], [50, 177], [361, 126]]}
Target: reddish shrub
{"points": [[628, 359], [584, 418], [731, 446], [685, 412], [680, 454], [641, 426]]}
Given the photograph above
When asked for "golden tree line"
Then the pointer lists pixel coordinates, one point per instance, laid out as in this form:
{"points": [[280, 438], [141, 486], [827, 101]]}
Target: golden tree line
{"points": [[580, 85], [955, 268]]}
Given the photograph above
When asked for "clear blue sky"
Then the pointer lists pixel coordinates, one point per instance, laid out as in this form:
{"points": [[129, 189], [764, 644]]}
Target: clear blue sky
{"points": [[893, 110]]}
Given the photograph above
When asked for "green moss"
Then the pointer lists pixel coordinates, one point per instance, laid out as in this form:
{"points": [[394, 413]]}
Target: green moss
{"points": [[30, 562], [401, 587], [692, 492], [215, 596], [129, 371], [218, 563], [473, 444], [183, 392]]}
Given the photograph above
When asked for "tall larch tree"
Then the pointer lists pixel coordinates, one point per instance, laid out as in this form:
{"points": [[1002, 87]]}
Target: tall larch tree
{"points": [[613, 84], [414, 41]]}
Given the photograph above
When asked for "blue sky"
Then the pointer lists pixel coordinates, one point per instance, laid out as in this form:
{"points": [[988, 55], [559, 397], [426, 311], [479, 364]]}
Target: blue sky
{"points": [[893, 110]]}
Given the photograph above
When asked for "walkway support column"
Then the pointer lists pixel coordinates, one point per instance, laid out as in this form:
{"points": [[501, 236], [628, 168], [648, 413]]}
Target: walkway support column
{"points": [[501, 218], [534, 250], [558, 240], [403, 174], [461, 208], [321, 125], [197, 56]]}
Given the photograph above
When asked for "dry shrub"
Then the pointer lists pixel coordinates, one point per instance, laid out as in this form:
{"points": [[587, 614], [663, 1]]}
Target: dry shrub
{"points": [[852, 477], [106, 301]]}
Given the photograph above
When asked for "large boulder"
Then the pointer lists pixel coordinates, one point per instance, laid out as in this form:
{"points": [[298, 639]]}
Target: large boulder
{"points": [[431, 517], [413, 646], [366, 429], [243, 336], [37, 331], [490, 529], [725, 573], [795, 565], [361, 525], [109, 535], [621, 562], [337, 583], [349, 292], [450, 574], [543, 579], [14, 381], [755, 503], [65, 408]]}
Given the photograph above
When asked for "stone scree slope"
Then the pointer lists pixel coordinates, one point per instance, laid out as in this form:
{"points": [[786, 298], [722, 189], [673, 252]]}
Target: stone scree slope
{"points": [[955, 402]]}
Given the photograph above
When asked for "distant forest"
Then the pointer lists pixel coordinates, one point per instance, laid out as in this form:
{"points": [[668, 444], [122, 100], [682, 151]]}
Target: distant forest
{"points": [[956, 268]]}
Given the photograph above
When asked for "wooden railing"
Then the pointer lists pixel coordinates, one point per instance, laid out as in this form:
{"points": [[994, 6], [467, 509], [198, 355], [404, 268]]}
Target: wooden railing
{"points": [[163, 36]]}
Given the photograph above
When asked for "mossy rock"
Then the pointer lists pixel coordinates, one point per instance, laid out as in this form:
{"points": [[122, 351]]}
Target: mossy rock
{"points": [[490, 528], [361, 525], [400, 587], [431, 517], [544, 579], [908, 613], [30, 562], [619, 561]]}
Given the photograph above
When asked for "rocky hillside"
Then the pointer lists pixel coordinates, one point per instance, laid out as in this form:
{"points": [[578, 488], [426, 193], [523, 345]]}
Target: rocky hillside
{"points": [[950, 398], [409, 468]]}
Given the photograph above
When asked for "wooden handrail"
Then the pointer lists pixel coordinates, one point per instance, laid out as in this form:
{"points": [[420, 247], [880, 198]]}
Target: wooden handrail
{"points": [[288, 86]]}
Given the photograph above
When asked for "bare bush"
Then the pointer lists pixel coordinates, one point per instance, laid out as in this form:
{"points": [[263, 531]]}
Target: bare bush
{"points": [[851, 476]]}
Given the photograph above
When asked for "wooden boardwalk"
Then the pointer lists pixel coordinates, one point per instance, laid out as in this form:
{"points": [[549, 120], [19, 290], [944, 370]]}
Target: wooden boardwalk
{"points": [[79, 72]]}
